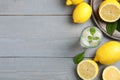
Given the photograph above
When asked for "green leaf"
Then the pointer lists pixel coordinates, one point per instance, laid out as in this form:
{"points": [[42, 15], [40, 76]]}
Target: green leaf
{"points": [[96, 38], [118, 25], [90, 41], [110, 27], [79, 58], [92, 30], [90, 37]]}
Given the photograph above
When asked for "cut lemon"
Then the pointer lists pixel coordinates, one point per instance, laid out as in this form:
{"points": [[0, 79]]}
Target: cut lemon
{"points": [[112, 0], [87, 69], [109, 10], [111, 73]]}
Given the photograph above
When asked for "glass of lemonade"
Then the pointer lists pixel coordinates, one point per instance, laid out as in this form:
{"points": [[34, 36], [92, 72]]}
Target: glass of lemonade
{"points": [[90, 37]]}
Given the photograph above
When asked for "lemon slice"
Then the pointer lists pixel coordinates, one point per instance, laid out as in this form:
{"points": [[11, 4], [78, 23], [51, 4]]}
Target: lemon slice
{"points": [[87, 69], [111, 73], [109, 10]]}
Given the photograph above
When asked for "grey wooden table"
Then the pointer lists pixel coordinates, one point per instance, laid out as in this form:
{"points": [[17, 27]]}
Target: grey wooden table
{"points": [[38, 40]]}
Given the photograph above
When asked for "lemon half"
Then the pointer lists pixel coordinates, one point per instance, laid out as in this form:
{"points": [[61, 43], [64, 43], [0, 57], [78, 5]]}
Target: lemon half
{"points": [[111, 73], [109, 10], [87, 69]]}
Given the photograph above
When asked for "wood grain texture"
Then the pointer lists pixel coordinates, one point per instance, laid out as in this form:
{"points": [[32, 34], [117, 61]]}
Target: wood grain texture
{"points": [[38, 40], [37, 69], [40, 69], [34, 7], [43, 36]]}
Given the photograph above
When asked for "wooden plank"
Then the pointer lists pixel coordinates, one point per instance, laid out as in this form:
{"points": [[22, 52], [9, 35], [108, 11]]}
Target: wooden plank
{"points": [[41, 69], [41, 36], [37, 69], [34, 7]]}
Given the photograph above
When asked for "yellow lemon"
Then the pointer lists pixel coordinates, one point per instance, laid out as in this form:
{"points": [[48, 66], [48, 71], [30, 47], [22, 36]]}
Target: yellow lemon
{"points": [[108, 53], [82, 13], [73, 2], [111, 73], [112, 0], [87, 69], [109, 10]]}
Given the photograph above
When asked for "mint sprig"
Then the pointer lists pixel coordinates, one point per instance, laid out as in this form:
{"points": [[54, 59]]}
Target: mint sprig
{"points": [[92, 37]]}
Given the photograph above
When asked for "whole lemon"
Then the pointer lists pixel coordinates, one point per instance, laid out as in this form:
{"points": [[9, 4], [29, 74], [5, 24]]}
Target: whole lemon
{"points": [[73, 2], [82, 12], [108, 53]]}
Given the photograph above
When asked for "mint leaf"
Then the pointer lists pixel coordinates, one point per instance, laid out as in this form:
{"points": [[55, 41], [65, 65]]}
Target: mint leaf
{"points": [[90, 37], [118, 25], [96, 38], [79, 58], [92, 30], [90, 41], [110, 27]]}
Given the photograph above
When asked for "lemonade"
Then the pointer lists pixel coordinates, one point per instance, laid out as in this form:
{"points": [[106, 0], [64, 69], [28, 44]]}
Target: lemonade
{"points": [[90, 37]]}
